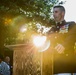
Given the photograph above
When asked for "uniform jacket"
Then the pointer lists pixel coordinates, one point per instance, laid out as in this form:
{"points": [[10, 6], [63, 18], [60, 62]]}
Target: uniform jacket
{"points": [[64, 33]]}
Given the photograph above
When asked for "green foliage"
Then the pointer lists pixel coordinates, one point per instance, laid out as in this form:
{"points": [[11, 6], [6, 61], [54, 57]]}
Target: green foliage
{"points": [[15, 13], [30, 8]]}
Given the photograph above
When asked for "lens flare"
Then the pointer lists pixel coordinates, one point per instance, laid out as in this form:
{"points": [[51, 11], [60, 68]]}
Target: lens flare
{"points": [[41, 43], [39, 40]]}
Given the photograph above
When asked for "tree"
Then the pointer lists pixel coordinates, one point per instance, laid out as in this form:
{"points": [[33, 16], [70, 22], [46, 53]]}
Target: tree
{"points": [[15, 13]]}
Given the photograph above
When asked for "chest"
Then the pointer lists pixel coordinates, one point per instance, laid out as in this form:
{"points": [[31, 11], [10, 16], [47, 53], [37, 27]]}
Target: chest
{"points": [[60, 33]]}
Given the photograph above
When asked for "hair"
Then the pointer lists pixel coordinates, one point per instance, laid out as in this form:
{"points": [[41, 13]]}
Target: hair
{"points": [[60, 7]]}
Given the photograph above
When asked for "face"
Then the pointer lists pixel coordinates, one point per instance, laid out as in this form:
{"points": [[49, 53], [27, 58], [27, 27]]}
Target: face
{"points": [[57, 14], [7, 59]]}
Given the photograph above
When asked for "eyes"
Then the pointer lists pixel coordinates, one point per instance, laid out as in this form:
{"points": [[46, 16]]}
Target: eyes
{"points": [[55, 11]]}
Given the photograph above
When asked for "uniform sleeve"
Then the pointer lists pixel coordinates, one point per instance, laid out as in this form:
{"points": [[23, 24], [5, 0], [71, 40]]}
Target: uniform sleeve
{"points": [[70, 40]]}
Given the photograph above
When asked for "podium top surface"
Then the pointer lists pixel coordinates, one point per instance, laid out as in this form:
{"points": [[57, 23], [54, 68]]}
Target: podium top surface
{"points": [[18, 46]]}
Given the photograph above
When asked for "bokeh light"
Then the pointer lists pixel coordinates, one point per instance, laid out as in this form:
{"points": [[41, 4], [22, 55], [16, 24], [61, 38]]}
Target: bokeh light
{"points": [[41, 43], [39, 40]]}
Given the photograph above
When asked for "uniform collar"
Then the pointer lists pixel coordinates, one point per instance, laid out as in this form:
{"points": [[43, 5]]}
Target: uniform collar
{"points": [[61, 23]]}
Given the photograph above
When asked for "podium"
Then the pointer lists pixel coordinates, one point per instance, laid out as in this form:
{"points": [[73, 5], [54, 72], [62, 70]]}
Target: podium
{"points": [[28, 61]]}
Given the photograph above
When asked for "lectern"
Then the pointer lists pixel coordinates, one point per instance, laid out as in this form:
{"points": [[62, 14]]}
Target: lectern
{"points": [[28, 61]]}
